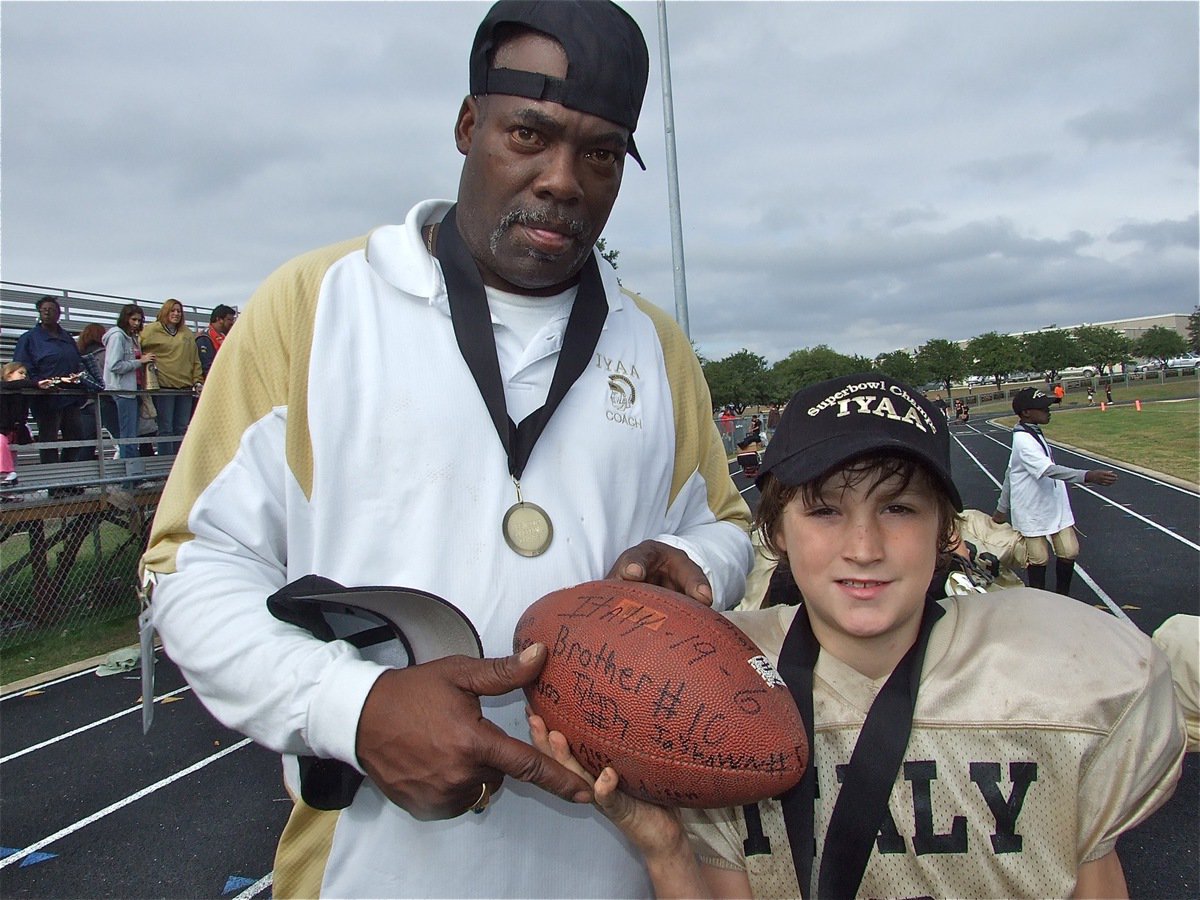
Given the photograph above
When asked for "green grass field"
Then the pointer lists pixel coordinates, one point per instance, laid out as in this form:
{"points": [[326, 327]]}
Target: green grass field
{"points": [[67, 645], [1164, 436], [1172, 389], [98, 611]]}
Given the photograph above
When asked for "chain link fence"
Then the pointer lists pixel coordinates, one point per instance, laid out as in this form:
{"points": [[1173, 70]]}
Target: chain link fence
{"points": [[734, 429], [73, 525]]}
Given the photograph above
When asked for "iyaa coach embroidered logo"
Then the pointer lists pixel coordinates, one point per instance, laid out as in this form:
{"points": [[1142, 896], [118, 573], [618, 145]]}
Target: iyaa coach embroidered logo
{"points": [[622, 392], [622, 402]]}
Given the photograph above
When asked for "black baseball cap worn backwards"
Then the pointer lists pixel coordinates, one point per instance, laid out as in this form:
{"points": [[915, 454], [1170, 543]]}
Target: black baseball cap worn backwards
{"points": [[1031, 398], [826, 425], [607, 61]]}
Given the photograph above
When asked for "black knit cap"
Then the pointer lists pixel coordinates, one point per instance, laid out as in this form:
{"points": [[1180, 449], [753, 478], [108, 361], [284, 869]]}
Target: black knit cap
{"points": [[607, 61], [826, 425]]}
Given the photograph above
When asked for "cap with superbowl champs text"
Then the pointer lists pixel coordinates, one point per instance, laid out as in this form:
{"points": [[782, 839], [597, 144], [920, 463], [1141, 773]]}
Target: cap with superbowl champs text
{"points": [[828, 424], [607, 60]]}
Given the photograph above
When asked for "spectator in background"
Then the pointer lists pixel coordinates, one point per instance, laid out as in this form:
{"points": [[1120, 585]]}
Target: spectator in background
{"points": [[91, 351], [727, 420], [177, 362], [962, 412], [123, 364], [208, 343], [49, 352], [14, 410], [773, 415], [753, 434], [1059, 393]]}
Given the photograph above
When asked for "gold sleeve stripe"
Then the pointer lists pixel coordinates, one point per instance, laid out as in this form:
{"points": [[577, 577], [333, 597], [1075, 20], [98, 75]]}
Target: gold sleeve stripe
{"points": [[698, 445], [263, 364], [303, 851]]}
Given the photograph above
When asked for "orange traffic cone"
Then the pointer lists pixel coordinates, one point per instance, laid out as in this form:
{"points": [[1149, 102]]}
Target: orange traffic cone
{"points": [[1138, 405], [1103, 406]]}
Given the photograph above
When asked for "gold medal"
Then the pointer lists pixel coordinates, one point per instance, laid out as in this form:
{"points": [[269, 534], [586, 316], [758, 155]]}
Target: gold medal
{"points": [[527, 529], [526, 526]]}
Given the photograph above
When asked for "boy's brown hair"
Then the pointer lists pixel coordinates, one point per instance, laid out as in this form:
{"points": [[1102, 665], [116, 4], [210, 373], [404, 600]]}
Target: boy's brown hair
{"points": [[872, 469]]}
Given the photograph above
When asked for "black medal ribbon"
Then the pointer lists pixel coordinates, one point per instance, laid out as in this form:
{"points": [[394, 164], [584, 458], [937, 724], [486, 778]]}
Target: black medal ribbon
{"points": [[797, 659], [867, 785], [473, 331], [1037, 436]]}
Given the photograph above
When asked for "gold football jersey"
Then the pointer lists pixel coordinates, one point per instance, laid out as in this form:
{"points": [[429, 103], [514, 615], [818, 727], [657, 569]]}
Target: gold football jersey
{"points": [[1043, 730]]}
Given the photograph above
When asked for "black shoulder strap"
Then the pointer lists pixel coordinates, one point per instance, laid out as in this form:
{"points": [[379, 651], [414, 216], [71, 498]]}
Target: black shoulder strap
{"points": [[797, 658], [867, 785]]}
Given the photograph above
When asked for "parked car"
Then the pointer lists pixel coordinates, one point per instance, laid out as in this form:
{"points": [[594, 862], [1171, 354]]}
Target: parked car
{"points": [[1189, 361], [1077, 372]]}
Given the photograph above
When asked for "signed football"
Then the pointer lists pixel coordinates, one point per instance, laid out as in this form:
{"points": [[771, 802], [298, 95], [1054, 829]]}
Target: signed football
{"points": [[671, 694]]}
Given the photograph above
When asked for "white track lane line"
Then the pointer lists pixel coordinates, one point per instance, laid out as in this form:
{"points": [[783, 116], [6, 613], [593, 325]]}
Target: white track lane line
{"points": [[89, 726], [1086, 578], [120, 804], [1100, 496], [46, 684], [257, 888], [734, 468], [38, 687]]}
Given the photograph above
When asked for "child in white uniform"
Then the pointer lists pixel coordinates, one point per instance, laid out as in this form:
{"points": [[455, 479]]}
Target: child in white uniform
{"points": [[1034, 495]]}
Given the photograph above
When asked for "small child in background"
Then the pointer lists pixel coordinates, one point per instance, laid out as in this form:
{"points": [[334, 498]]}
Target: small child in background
{"points": [[14, 410]]}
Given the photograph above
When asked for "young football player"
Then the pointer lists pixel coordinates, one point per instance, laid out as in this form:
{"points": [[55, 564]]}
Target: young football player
{"points": [[1034, 495], [990, 745]]}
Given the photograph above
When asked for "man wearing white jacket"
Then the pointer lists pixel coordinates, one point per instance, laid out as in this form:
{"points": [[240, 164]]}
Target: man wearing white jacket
{"points": [[575, 441]]}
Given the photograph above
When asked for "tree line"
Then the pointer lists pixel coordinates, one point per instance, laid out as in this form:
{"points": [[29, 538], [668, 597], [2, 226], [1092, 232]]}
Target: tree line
{"points": [[745, 378]]}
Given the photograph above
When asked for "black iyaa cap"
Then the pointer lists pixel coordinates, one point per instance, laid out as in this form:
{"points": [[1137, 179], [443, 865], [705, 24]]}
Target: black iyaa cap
{"points": [[1031, 398], [607, 61], [826, 425]]}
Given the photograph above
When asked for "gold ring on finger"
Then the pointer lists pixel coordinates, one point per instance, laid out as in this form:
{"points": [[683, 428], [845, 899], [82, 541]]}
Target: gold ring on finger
{"points": [[485, 796]]}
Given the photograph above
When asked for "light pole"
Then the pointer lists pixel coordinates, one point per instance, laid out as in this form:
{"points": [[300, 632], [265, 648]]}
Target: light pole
{"points": [[681, 308]]}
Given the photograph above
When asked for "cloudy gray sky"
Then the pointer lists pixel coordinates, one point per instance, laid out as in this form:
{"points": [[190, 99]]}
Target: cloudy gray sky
{"points": [[864, 175]]}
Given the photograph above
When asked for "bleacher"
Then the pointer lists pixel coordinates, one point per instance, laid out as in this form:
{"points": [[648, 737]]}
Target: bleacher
{"points": [[69, 489], [18, 311]]}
